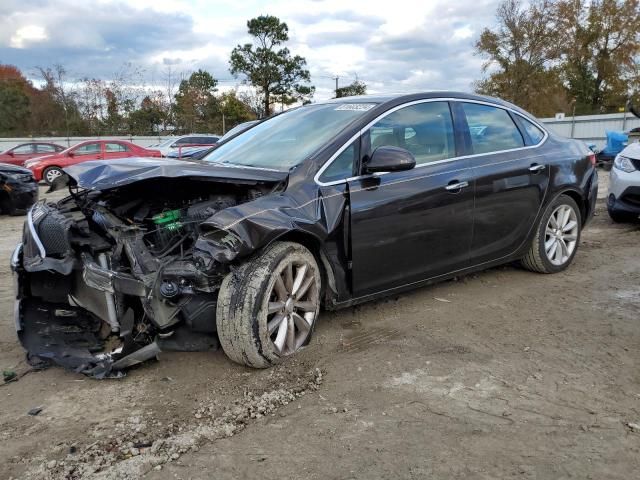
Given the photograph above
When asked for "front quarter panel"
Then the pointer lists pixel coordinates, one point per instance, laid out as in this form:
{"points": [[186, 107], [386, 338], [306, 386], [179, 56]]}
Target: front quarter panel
{"points": [[304, 212]]}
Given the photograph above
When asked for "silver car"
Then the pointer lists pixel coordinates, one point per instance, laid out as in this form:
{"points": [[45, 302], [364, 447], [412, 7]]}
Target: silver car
{"points": [[623, 201]]}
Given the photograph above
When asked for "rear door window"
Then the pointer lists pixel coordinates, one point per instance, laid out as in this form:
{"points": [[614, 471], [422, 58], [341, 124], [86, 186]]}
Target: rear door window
{"points": [[491, 129], [115, 147]]}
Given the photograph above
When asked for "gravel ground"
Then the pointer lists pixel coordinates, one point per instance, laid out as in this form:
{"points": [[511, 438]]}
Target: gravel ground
{"points": [[503, 374]]}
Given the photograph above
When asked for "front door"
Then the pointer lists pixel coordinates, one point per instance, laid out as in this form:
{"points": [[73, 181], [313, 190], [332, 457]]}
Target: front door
{"points": [[413, 225]]}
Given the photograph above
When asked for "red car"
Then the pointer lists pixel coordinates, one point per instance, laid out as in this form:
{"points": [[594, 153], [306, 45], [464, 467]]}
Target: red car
{"points": [[20, 153], [50, 167]]}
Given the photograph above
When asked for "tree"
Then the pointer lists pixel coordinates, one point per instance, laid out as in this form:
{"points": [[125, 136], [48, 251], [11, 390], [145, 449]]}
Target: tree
{"points": [[15, 100], [150, 115], [268, 65], [227, 111], [522, 53], [14, 108], [193, 99], [601, 45], [354, 89]]}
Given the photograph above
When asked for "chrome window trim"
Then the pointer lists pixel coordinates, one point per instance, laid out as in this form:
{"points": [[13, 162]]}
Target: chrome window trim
{"points": [[34, 235], [326, 165]]}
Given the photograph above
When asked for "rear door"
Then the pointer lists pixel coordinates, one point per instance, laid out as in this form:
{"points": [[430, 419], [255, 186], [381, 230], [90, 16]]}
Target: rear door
{"points": [[417, 224], [113, 150], [511, 179]]}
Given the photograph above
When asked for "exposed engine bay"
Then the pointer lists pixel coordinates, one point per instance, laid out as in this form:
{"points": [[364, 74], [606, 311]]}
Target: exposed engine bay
{"points": [[109, 278]]}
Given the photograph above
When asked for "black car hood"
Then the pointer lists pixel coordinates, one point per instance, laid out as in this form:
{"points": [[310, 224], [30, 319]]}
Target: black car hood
{"points": [[8, 168], [103, 175]]}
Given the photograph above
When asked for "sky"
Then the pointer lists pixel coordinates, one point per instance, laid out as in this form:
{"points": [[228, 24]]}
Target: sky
{"points": [[391, 45]]}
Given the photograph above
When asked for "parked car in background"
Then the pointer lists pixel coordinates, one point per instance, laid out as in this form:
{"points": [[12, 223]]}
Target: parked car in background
{"points": [[623, 202], [178, 143], [241, 127], [190, 152], [326, 205], [25, 151], [18, 189], [197, 153], [50, 167]]}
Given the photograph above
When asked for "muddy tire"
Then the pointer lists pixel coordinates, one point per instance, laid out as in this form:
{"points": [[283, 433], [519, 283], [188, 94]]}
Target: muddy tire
{"points": [[268, 306], [557, 237], [51, 173]]}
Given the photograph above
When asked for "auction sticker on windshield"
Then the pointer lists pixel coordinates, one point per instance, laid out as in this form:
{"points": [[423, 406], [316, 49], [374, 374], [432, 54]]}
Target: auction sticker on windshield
{"points": [[358, 107]]}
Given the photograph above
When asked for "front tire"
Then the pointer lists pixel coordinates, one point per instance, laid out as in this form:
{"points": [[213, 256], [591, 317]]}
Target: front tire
{"points": [[557, 237], [51, 173], [268, 307]]}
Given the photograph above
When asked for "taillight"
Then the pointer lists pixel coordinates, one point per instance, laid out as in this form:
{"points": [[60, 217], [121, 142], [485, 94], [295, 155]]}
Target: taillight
{"points": [[592, 159]]}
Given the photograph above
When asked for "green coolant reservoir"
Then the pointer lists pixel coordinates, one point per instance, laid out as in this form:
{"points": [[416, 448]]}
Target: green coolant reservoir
{"points": [[170, 220]]}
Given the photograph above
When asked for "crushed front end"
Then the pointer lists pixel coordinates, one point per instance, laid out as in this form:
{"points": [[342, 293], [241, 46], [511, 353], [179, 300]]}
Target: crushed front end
{"points": [[106, 279]]}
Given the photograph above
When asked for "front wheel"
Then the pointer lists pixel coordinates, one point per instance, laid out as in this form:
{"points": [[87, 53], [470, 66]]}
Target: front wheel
{"points": [[556, 241], [51, 173], [268, 307]]}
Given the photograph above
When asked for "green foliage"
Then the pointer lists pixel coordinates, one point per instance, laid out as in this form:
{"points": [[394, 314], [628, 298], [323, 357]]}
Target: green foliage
{"points": [[547, 55], [269, 66], [601, 45], [354, 89], [14, 108], [192, 101]]}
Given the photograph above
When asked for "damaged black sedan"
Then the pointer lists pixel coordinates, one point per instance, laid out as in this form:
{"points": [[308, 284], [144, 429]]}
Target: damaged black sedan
{"points": [[326, 205]]}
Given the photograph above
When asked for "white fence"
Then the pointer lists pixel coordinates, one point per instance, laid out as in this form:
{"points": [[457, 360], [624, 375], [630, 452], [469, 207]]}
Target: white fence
{"points": [[6, 143], [590, 128]]}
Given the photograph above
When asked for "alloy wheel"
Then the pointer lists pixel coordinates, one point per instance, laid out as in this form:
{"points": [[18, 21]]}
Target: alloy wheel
{"points": [[52, 174], [293, 307], [561, 235]]}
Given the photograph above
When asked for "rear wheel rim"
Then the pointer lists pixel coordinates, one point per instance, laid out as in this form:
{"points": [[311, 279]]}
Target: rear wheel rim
{"points": [[293, 306], [52, 174], [561, 235]]}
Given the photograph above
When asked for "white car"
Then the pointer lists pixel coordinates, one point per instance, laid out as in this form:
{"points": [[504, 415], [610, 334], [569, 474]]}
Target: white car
{"points": [[623, 201], [178, 143]]}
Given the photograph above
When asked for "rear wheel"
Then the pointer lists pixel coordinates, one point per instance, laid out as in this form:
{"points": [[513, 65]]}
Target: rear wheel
{"points": [[51, 173], [267, 308], [556, 241]]}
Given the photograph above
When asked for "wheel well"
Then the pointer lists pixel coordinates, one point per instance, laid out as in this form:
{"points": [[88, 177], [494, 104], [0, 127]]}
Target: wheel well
{"points": [[582, 204], [314, 246]]}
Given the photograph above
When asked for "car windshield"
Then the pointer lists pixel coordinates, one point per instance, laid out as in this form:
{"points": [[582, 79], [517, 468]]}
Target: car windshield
{"points": [[288, 139], [166, 143]]}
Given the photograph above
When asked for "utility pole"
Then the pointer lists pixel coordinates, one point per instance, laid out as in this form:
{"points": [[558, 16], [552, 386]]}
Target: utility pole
{"points": [[336, 79]]}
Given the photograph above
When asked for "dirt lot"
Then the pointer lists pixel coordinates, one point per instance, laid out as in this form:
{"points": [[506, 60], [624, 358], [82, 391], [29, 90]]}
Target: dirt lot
{"points": [[504, 374]]}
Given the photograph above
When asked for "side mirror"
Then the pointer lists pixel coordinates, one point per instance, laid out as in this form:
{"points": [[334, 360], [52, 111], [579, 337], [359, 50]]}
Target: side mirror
{"points": [[71, 154], [390, 159], [11, 154]]}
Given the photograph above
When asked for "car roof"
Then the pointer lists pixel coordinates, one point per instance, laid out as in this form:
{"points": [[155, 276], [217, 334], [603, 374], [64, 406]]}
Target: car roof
{"points": [[397, 98]]}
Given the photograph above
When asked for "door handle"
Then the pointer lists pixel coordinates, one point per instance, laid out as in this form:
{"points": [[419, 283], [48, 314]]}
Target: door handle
{"points": [[456, 186], [535, 168]]}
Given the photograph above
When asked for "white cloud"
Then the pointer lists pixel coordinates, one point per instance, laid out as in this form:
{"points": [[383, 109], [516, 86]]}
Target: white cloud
{"points": [[27, 35], [392, 46]]}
